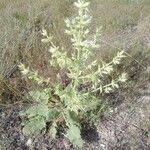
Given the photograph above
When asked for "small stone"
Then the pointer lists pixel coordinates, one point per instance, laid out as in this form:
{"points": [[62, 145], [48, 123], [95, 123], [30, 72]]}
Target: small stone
{"points": [[102, 145], [29, 142]]}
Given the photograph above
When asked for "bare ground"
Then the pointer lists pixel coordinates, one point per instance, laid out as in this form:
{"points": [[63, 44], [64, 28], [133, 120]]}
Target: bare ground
{"points": [[123, 127]]}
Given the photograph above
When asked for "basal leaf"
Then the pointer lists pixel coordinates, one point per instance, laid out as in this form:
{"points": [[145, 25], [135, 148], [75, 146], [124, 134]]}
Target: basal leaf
{"points": [[40, 96], [40, 109], [74, 135], [71, 118], [34, 125], [52, 114]]}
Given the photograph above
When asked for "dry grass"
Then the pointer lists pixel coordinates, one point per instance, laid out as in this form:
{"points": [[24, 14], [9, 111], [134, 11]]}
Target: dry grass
{"points": [[21, 23]]}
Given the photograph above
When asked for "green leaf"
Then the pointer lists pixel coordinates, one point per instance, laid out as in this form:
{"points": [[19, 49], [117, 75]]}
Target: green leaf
{"points": [[41, 96], [52, 114], [40, 109], [71, 118], [74, 135], [34, 125]]}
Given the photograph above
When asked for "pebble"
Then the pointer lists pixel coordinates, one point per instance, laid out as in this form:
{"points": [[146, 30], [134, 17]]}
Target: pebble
{"points": [[29, 142]]}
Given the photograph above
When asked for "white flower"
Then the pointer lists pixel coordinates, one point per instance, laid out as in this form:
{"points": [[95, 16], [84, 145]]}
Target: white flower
{"points": [[81, 4], [53, 49], [44, 32]]}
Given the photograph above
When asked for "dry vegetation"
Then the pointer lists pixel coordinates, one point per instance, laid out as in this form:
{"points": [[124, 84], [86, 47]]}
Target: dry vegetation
{"points": [[125, 25]]}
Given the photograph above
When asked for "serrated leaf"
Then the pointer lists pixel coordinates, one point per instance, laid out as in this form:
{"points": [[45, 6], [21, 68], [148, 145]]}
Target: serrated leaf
{"points": [[40, 96], [74, 135], [34, 125], [71, 118], [52, 114], [40, 109]]}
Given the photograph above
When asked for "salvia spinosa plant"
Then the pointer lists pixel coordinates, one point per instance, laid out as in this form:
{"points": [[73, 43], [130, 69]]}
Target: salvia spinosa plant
{"points": [[70, 102]]}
